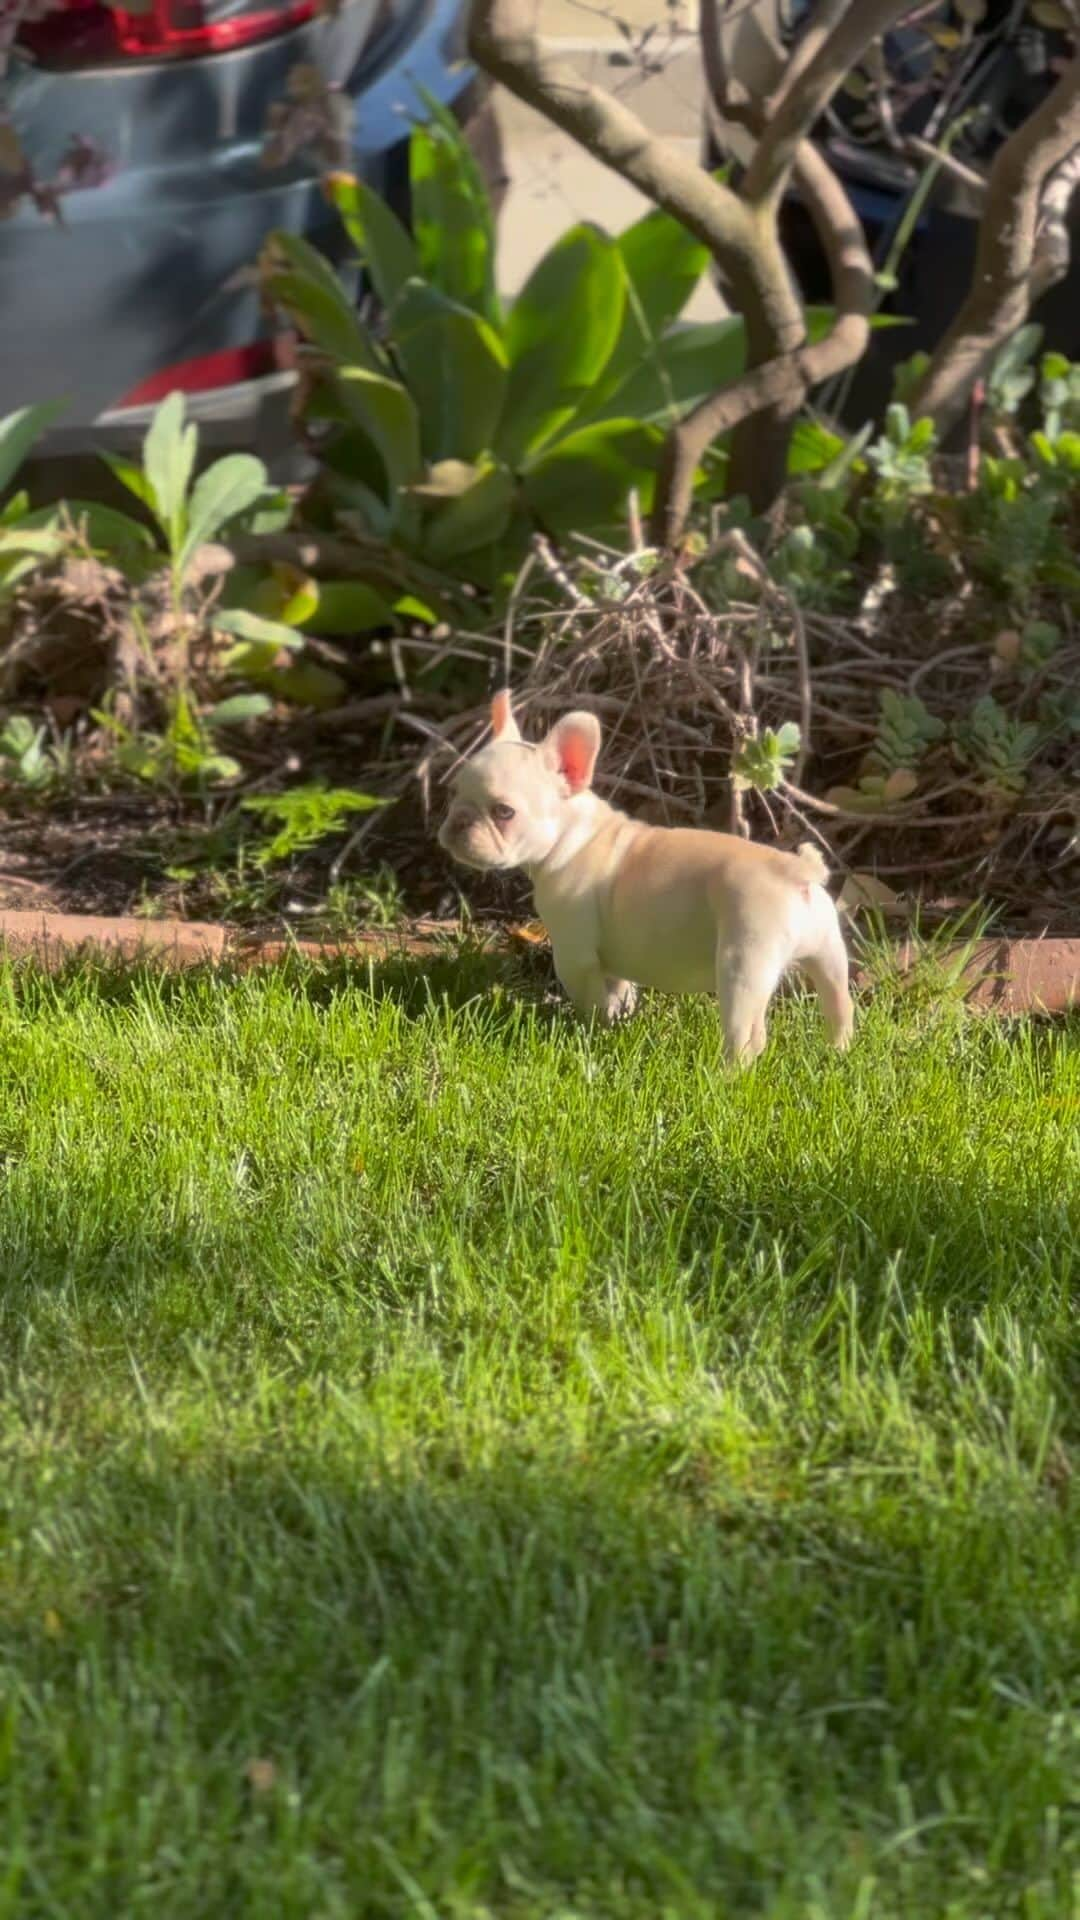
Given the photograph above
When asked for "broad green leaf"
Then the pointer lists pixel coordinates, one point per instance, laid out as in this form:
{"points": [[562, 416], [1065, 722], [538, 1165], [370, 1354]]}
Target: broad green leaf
{"points": [[456, 370], [309, 287], [209, 768], [130, 476], [583, 483], [359, 509], [384, 246], [238, 708], [287, 595], [353, 455], [271, 513], [1067, 449], [15, 509], [847, 458], [307, 685], [302, 257], [812, 447], [109, 531], [452, 219], [112, 535], [227, 488], [251, 659], [350, 606], [408, 607], [684, 367], [478, 517], [387, 414], [664, 263], [560, 335], [246, 625], [31, 540], [14, 568], [18, 432], [326, 320], [169, 451]]}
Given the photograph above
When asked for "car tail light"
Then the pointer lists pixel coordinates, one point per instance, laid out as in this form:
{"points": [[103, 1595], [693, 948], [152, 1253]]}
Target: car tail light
{"points": [[205, 375], [78, 33]]}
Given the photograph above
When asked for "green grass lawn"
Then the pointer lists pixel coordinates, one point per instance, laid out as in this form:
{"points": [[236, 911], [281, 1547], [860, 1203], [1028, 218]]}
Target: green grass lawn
{"points": [[452, 1464]]}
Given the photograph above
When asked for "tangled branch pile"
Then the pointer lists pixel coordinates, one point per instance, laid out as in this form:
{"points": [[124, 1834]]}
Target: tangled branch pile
{"points": [[724, 703]]}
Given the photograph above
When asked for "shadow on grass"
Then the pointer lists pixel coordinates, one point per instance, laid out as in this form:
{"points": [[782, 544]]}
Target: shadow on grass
{"points": [[455, 978], [535, 1675]]}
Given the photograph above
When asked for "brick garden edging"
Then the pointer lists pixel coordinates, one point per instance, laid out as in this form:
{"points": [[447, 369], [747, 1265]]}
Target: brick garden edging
{"points": [[53, 938], [1004, 976]]}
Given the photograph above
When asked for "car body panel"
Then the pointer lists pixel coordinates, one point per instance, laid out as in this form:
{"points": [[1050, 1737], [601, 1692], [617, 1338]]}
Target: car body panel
{"points": [[147, 270]]}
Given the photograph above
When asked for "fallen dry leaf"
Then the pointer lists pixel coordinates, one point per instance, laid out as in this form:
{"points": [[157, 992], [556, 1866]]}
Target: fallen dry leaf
{"points": [[530, 933]]}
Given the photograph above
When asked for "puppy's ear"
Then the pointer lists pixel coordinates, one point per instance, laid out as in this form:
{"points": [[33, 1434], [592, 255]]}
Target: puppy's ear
{"points": [[503, 724], [571, 748]]}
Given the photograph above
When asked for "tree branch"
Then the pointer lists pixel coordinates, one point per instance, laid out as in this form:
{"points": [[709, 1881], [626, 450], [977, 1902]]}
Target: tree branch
{"points": [[501, 41], [808, 87], [785, 379], [1052, 243], [930, 155], [744, 244], [1011, 267], [783, 382], [781, 379]]}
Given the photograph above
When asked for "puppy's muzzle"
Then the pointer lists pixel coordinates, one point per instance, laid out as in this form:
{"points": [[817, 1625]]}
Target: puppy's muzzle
{"points": [[458, 825], [465, 837]]}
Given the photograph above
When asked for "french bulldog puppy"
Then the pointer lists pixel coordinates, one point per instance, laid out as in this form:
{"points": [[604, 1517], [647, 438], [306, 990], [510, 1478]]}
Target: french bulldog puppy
{"points": [[629, 905]]}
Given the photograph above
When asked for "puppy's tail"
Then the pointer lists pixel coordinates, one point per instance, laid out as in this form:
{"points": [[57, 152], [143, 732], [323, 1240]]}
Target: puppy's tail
{"points": [[812, 862]]}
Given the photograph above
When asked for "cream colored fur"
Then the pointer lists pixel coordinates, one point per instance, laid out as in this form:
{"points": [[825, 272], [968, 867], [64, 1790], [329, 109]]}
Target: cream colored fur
{"points": [[629, 905]]}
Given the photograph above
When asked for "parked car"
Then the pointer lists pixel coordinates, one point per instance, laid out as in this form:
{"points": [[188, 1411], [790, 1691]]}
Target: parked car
{"points": [[134, 292], [987, 69]]}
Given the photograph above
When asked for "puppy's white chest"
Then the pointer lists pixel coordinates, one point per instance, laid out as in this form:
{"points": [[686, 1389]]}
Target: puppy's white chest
{"points": [[568, 907]]}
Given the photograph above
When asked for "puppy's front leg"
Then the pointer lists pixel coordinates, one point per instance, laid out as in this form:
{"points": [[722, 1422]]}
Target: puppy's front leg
{"points": [[595, 992]]}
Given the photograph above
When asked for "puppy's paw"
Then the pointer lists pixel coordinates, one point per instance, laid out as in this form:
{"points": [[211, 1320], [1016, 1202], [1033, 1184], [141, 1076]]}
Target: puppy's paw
{"points": [[621, 1001]]}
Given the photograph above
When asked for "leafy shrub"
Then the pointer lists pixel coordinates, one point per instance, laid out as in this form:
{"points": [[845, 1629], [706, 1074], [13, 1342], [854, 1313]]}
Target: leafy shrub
{"points": [[452, 429], [763, 760], [26, 539], [303, 816], [999, 747], [26, 761], [906, 732]]}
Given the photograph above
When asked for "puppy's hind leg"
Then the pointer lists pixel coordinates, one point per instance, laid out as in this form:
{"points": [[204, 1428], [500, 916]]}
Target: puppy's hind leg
{"points": [[746, 979], [827, 970]]}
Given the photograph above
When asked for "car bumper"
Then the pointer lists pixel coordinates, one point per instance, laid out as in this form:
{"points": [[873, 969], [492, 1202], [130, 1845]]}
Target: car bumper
{"points": [[147, 270]]}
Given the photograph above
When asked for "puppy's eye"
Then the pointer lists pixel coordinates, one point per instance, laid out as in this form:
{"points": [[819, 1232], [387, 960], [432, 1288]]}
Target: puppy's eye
{"points": [[501, 812]]}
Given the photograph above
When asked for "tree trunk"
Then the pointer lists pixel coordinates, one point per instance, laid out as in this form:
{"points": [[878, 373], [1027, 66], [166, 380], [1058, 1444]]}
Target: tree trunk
{"points": [[1009, 275]]}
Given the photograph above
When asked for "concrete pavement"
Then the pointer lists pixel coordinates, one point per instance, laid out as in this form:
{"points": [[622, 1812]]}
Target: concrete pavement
{"points": [[553, 182]]}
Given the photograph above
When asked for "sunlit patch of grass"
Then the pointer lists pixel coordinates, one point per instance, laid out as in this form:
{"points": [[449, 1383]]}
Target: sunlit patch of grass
{"points": [[453, 1463]]}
